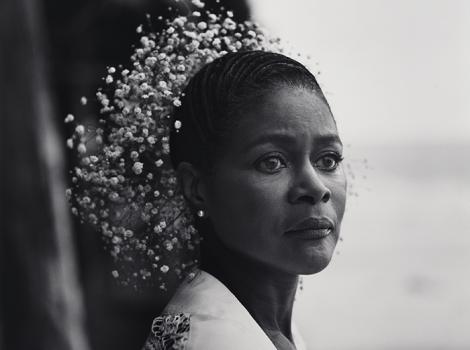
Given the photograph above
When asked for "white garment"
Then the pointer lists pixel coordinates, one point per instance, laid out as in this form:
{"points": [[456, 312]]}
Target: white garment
{"points": [[217, 319]]}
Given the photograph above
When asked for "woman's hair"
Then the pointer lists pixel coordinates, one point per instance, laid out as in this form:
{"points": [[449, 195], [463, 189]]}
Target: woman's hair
{"points": [[216, 97]]}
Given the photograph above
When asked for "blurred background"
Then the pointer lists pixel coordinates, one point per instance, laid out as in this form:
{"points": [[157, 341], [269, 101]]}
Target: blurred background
{"points": [[396, 74]]}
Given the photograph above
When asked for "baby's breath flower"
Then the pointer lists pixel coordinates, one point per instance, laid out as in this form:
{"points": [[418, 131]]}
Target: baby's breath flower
{"points": [[80, 130], [198, 3], [151, 61], [117, 240], [212, 17], [168, 246], [144, 41], [134, 155], [229, 24], [81, 148], [164, 268], [70, 143], [138, 167], [109, 79], [202, 25], [69, 118], [113, 196], [179, 21]]}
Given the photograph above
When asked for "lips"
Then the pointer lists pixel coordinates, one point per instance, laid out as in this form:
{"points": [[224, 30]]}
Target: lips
{"points": [[312, 228]]}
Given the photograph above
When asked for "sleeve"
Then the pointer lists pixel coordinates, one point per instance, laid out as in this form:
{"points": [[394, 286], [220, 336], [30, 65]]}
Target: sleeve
{"points": [[169, 332]]}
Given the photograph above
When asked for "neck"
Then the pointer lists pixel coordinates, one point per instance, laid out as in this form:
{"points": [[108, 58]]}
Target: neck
{"points": [[268, 294]]}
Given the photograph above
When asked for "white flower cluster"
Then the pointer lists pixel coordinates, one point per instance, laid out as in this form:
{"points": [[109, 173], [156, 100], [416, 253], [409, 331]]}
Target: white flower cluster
{"points": [[128, 188]]}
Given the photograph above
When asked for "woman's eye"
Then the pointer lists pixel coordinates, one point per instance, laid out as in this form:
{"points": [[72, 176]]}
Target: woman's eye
{"points": [[271, 164], [329, 162]]}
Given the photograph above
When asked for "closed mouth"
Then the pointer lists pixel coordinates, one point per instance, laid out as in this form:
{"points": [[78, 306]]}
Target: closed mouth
{"points": [[311, 233], [312, 229]]}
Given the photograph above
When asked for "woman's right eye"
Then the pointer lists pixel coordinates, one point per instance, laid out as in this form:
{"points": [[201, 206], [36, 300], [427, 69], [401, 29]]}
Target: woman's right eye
{"points": [[271, 164]]}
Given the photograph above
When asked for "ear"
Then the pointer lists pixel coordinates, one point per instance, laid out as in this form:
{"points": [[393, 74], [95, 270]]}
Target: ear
{"points": [[192, 185]]}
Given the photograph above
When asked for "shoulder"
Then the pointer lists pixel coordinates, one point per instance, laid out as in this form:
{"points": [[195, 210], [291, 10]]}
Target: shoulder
{"points": [[204, 315]]}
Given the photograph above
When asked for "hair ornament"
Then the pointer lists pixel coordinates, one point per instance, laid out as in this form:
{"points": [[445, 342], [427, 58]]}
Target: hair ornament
{"points": [[123, 182]]}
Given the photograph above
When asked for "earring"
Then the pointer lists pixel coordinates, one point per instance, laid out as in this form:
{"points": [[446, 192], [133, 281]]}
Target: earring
{"points": [[301, 283], [200, 213]]}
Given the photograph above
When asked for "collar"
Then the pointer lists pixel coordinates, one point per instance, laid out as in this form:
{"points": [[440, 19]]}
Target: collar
{"points": [[218, 317]]}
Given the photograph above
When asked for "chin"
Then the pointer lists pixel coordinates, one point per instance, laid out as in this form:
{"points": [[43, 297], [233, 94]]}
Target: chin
{"points": [[312, 267], [316, 260]]}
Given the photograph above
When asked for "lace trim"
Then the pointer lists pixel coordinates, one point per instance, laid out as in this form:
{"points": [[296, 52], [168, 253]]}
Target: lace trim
{"points": [[169, 332]]}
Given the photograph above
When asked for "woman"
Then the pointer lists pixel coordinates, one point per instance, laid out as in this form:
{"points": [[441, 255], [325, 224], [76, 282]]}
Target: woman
{"points": [[245, 156], [259, 161]]}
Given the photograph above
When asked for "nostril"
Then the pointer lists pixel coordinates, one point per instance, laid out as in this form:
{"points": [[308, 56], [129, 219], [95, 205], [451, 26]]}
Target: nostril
{"points": [[326, 196]]}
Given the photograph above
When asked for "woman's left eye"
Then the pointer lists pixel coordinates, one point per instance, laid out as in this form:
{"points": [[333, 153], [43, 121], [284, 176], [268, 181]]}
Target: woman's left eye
{"points": [[328, 162]]}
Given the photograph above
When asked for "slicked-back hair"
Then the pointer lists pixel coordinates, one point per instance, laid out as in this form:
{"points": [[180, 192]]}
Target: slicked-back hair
{"points": [[216, 97]]}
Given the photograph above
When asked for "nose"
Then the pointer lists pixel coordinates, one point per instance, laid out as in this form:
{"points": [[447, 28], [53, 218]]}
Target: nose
{"points": [[309, 187]]}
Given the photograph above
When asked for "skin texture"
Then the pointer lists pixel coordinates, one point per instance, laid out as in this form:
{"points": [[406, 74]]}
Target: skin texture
{"points": [[282, 165]]}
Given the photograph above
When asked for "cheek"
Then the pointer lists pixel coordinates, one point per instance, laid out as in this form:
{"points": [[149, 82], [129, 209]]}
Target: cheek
{"points": [[245, 206], [338, 188]]}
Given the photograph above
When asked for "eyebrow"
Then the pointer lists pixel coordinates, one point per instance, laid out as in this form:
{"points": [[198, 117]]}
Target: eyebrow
{"points": [[283, 138]]}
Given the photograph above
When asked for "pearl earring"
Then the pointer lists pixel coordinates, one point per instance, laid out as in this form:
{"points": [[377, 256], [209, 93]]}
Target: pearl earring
{"points": [[200, 213]]}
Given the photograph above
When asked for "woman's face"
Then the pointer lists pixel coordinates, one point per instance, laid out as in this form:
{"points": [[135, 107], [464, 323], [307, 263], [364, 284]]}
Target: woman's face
{"points": [[278, 193]]}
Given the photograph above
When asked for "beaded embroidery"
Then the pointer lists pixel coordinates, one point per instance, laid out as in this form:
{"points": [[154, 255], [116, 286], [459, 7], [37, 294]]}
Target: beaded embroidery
{"points": [[169, 332]]}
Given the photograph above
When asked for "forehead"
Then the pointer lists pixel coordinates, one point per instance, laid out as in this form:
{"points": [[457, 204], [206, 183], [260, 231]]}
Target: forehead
{"points": [[293, 111]]}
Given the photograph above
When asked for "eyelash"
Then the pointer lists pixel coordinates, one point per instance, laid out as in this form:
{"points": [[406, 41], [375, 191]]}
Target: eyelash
{"points": [[271, 156], [336, 157]]}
